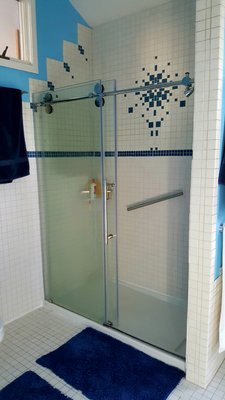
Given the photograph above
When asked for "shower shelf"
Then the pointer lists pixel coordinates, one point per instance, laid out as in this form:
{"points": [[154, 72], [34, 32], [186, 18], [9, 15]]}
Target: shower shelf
{"points": [[154, 200]]}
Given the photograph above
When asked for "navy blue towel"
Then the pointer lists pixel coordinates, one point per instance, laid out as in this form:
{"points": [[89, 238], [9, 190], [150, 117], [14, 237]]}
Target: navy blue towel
{"points": [[221, 179], [14, 162]]}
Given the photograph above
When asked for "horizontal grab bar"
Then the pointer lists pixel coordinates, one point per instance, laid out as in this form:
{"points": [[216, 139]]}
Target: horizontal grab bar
{"points": [[153, 200]]}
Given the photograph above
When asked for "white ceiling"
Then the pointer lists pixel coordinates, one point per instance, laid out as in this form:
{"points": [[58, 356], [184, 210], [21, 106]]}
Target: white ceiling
{"points": [[97, 12]]}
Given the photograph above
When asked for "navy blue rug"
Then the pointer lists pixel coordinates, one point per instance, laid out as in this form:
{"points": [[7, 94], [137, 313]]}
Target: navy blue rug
{"points": [[104, 368], [30, 386]]}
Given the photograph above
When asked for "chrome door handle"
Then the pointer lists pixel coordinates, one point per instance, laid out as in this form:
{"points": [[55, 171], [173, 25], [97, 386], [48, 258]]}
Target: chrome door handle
{"points": [[110, 235], [105, 210]]}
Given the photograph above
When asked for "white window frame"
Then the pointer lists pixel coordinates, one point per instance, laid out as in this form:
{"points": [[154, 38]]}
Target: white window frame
{"points": [[28, 39]]}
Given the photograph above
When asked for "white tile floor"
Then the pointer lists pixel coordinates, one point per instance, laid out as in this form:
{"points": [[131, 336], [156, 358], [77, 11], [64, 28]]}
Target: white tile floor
{"points": [[44, 330]]}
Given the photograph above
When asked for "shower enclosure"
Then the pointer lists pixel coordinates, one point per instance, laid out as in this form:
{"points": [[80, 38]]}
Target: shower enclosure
{"points": [[77, 158]]}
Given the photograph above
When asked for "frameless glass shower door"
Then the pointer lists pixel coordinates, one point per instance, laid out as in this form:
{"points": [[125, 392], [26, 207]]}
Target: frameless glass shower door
{"points": [[76, 146], [74, 193]]}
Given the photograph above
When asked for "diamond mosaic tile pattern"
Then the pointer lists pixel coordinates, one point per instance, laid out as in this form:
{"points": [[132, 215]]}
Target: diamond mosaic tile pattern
{"points": [[152, 103]]}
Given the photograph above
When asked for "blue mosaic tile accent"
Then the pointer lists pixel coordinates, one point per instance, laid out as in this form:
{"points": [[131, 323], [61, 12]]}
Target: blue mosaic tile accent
{"points": [[81, 49], [33, 106], [66, 67], [156, 153], [157, 98], [131, 153], [51, 86], [54, 154], [110, 153]]}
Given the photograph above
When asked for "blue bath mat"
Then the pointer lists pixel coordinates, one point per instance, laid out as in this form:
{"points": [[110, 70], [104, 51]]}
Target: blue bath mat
{"points": [[30, 386], [104, 368]]}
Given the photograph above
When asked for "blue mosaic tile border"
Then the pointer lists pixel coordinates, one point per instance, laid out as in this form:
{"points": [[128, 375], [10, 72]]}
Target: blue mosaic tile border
{"points": [[136, 153], [53, 154], [156, 153]]}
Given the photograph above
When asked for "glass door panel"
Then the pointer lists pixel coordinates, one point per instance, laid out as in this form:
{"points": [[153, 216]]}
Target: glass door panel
{"points": [[70, 184], [153, 240]]}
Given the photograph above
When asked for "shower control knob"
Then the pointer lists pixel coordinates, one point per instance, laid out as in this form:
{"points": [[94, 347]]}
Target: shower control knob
{"points": [[110, 236]]}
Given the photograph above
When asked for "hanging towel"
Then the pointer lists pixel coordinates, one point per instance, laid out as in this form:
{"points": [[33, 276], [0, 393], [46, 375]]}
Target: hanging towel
{"points": [[14, 162], [222, 314], [221, 179]]}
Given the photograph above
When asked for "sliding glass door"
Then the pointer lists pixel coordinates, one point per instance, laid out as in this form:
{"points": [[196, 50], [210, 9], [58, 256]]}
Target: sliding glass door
{"points": [[77, 170], [74, 193]]}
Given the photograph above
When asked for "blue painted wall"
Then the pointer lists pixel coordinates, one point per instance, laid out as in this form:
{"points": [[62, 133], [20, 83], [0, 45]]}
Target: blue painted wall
{"points": [[56, 21], [221, 191]]}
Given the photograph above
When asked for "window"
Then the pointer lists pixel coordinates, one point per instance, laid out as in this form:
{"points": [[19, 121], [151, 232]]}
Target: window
{"points": [[18, 46]]}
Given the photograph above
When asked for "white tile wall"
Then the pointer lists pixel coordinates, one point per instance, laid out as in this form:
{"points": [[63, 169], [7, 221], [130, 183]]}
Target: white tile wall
{"points": [[80, 64], [204, 293], [162, 36], [21, 282], [176, 127], [153, 242]]}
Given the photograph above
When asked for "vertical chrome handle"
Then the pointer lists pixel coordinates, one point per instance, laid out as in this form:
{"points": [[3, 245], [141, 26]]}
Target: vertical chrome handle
{"points": [[105, 211]]}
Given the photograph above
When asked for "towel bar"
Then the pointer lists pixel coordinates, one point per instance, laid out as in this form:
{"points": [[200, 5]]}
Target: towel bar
{"points": [[154, 200]]}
